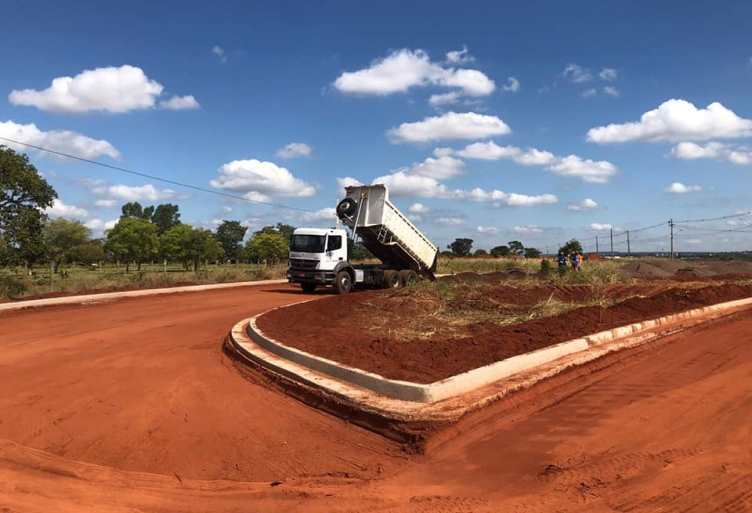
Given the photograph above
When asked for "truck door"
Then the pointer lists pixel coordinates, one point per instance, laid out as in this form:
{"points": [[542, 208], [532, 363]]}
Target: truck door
{"points": [[334, 252]]}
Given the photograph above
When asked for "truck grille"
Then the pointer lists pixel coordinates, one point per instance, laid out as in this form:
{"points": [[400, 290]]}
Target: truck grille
{"points": [[302, 263]]}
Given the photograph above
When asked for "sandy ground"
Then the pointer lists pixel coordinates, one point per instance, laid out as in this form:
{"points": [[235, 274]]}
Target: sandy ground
{"points": [[130, 406]]}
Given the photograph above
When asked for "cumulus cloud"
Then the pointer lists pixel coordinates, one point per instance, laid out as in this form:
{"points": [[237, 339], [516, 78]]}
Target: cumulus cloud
{"points": [[449, 220], [259, 180], [418, 208], [577, 74], [440, 167], [600, 227], [99, 225], [676, 120], [403, 183], [146, 192], [739, 155], [512, 85], [348, 181], [510, 199], [586, 204], [180, 103], [65, 141], [405, 69], [487, 230], [571, 165], [611, 91], [680, 188], [587, 170], [527, 229], [589, 93], [295, 150], [450, 125], [110, 89], [608, 74], [220, 53], [459, 56], [324, 214], [60, 209], [439, 100], [105, 203]]}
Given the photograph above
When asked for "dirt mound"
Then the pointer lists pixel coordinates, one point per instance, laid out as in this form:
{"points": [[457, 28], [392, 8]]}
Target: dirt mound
{"points": [[335, 328]]}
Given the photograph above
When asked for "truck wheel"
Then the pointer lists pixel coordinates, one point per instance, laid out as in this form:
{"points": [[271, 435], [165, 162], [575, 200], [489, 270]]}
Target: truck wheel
{"points": [[343, 282], [392, 280], [408, 277], [308, 287]]}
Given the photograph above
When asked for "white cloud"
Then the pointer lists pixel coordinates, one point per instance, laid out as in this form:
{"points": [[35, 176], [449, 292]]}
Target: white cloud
{"points": [[611, 91], [439, 100], [60, 209], [348, 181], [512, 85], [259, 179], [488, 230], [459, 56], [98, 225], [586, 204], [589, 93], [441, 167], [105, 203], [528, 229], [450, 125], [712, 150], [571, 165], [680, 188], [418, 208], [511, 199], [146, 192], [608, 74], [107, 89], [590, 171], [577, 74], [180, 103], [449, 221], [324, 214], [403, 183], [675, 120], [295, 150], [404, 69], [64, 141], [600, 227], [220, 53]]}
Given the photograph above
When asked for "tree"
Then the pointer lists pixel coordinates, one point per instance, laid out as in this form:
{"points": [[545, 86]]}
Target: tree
{"points": [[516, 247], [461, 247], [203, 247], [132, 209], [62, 238], [532, 253], [24, 195], [133, 240], [284, 229], [480, 252], [165, 216], [230, 235], [90, 252], [269, 247], [571, 247], [189, 245], [500, 251]]}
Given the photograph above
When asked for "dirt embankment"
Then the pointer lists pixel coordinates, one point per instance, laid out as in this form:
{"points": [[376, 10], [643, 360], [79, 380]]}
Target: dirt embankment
{"points": [[338, 327]]}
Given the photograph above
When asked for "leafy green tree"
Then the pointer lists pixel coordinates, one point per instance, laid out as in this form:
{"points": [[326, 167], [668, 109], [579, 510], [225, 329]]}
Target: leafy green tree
{"points": [[133, 240], [189, 245], [532, 253], [230, 235], [269, 247], [480, 252], [90, 252], [24, 195], [284, 229], [165, 216], [62, 238], [500, 251], [461, 247], [516, 247], [571, 247], [132, 209], [203, 247]]}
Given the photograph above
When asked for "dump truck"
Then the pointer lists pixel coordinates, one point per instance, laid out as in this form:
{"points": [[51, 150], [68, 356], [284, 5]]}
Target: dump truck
{"points": [[319, 257]]}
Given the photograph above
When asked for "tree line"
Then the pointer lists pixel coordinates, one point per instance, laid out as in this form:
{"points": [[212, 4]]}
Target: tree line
{"points": [[462, 247]]}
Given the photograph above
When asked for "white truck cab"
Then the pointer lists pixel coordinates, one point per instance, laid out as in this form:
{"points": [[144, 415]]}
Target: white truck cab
{"points": [[318, 257]]}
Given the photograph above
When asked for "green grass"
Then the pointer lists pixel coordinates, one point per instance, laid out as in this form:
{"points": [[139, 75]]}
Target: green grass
{"points": [[454, 265], [18, 283]]}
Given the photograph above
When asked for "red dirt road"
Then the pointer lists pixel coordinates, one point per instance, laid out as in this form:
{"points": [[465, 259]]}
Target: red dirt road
{"points": [[131, 406]]}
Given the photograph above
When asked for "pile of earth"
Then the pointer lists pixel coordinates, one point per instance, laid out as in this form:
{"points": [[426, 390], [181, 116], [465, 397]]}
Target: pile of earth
{"points": [[366, 330]]}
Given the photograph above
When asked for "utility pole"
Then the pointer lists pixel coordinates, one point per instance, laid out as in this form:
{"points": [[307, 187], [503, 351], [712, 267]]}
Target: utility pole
{"points": [[597, 252], [629, 249], [612, 242], [671, 230]]}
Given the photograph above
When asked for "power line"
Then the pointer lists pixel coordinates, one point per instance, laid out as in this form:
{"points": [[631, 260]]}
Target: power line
{"points": [[156, 178]]}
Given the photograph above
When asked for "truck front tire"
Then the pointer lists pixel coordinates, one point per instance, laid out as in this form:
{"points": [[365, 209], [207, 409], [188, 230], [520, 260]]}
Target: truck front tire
{"points": [[343, 282]]}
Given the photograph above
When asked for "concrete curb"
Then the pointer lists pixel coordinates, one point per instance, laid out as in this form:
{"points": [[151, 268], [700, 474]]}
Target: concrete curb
{"points": [[94, 298], [402, 397]]}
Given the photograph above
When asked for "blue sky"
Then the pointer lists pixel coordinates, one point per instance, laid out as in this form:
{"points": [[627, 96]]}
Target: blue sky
{"points": [[213, 92]]}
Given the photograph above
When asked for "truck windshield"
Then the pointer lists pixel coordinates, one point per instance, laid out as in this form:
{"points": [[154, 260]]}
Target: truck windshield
{"points": [[308, 243]]}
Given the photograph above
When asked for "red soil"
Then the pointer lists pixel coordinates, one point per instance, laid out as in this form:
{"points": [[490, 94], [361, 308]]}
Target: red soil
{"points": [[331, 327]]}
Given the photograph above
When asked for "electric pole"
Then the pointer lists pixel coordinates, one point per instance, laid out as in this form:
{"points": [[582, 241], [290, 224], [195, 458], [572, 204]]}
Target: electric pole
{"points": [[629, 249], [612, 242], [671, 230], [597, 252]]}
